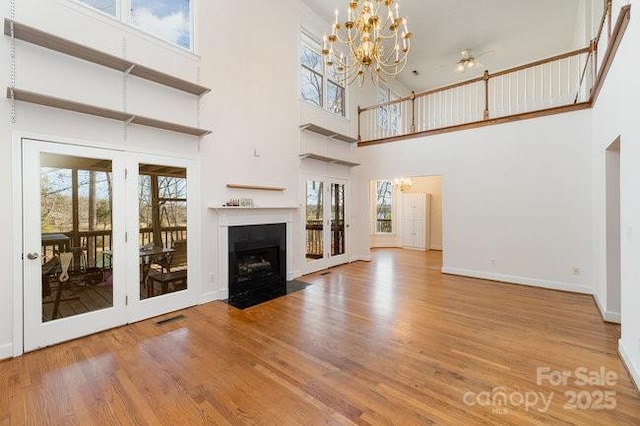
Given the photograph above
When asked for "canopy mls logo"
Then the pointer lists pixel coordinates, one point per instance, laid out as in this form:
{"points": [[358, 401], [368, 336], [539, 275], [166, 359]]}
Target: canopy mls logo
{"points": [[598, 397], [500, 401]]}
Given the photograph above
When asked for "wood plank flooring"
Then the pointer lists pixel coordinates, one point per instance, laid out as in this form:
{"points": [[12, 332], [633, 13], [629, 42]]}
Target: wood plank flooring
{"points": [[392, 341]]}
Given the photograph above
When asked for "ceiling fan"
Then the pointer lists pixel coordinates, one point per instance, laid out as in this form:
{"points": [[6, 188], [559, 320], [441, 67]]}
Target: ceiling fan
{"points": [[469, 61]]}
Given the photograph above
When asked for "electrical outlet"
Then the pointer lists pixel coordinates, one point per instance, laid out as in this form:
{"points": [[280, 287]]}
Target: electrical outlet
{"points": [[256, 151], [493, 262], [212, 277], [575, 270]]}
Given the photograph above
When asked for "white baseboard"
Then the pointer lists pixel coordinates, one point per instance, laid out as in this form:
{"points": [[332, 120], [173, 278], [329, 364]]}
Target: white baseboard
{"points": [[628, 362], [362, 257], [6, 351], [614, 317], [533, 282], [293, 275], [436, 247], [213, 296]]}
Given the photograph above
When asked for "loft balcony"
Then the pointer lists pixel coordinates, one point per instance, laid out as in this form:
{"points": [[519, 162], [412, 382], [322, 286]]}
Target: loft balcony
{"points": [[567, 82]]}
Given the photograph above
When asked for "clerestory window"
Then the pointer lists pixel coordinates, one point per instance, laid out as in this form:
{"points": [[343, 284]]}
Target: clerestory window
{"points": [[388, 115], [319, 86], [169, 20]]}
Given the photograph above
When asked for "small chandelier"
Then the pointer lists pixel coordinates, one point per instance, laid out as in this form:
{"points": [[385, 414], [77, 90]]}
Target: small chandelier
{"points": [[375, 45]]}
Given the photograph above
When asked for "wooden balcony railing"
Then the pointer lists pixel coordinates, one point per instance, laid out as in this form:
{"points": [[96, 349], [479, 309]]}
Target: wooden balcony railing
{"points": [[562, 83]]}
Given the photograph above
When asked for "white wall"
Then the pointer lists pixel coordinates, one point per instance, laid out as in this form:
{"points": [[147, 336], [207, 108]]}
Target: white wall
{"points": [[615, 115], [518, 193]]}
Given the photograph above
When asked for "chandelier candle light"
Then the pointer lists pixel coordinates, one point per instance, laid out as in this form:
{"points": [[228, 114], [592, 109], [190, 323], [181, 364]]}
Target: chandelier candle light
{"points": [[375, 45]]}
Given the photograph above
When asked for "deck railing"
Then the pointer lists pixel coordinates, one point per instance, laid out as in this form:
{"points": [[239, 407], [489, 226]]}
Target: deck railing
{"points": [[560, 83], [383, 226], [95, 243], [315, 238]]}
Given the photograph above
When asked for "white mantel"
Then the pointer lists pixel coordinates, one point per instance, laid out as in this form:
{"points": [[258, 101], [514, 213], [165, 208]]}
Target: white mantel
{"points": [[241, 216]]}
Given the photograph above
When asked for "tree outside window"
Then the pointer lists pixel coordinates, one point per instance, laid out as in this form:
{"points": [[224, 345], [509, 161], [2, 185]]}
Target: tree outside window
{"points": [[384, 206], [388, 115], [319, 86]]}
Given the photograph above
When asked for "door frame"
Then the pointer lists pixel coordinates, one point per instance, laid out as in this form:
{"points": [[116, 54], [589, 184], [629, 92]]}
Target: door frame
{"points": [[137, 309], [327, 261], [17, 246], [42, 334]]}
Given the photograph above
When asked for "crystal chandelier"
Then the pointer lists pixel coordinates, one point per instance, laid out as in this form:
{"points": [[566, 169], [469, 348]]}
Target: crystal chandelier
{"points": [[375, 44]]}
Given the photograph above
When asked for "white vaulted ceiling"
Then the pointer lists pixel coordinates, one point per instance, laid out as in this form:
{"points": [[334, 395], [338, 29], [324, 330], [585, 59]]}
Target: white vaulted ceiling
{"points": [[517, 31]]}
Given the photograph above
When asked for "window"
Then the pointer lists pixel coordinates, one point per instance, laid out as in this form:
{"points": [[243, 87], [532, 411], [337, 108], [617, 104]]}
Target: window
{"points": [[106, 6], [389, 115], [169, 20], [384, 206], [320, 88]]}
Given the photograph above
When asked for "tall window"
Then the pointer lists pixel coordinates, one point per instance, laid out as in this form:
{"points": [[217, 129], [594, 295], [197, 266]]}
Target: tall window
{"points": [[388, 115], [319, 86], [384, 206], [169, 20]]}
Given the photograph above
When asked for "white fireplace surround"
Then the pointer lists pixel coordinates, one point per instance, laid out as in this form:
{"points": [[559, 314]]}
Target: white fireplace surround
{"points": [[239, 216]]}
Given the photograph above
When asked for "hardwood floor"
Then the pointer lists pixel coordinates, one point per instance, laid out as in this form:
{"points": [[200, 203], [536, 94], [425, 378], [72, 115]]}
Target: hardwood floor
{"points": [[387, 342]]}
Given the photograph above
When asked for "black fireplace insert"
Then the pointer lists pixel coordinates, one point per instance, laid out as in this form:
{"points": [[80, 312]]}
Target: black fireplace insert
{"points": [[257, 263]]}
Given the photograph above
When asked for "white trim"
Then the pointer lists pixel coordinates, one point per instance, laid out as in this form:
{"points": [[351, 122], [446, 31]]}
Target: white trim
{"points": [[628, 362], [212, 296], [361, 258], [242, 217], [6, 351], [386, 245], [533, 282], [436, 247], [18, 302], [294, 274], [20, 134], [614, 317]]}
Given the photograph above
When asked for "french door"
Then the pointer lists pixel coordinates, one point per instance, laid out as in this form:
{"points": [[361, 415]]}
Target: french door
{"points": [[326, 223], [104, 239]]}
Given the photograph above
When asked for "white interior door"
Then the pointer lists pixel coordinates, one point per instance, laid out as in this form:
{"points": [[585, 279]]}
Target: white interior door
{"points": [[73, 245], [326, 223]]}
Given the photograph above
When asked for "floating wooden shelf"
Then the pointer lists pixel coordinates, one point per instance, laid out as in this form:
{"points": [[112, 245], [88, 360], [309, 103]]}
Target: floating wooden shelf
{"points": [[328, 159], [253, 208], [71, 48], [326, 132], [258, 187], [40, 99]]}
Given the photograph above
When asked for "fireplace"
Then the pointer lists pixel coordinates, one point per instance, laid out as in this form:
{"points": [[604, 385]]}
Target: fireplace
{"points": [[257, 263]]}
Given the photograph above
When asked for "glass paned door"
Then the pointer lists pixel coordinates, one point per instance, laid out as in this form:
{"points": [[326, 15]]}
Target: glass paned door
{"points": [[162, 235], [338, 225], [73, 279], [325, 223], [314, 220], [164, 245]]}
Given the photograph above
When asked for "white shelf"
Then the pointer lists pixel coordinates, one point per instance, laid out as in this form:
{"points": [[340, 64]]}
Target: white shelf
{"points": [[126, 117], [327, 133], [255, 187], [328, 159], [253, 208], [71, 48]]}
